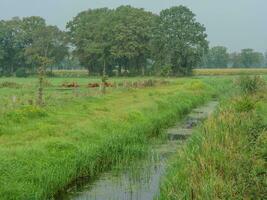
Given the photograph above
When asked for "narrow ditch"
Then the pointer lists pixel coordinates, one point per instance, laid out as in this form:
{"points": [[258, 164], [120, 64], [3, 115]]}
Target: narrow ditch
{"points": [[140, 180]]}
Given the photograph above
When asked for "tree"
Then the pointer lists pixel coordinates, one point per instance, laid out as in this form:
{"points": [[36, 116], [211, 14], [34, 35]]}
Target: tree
{"points": [[265, 59], [90, 34], [48, 43], [250, 58], [179, 39], [217, 57], [235, 60], [132, 30], [22, 41], [105, 38], [11, 45]]}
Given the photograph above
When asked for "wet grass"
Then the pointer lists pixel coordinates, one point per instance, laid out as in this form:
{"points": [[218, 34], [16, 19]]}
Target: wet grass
{"points": [[226, 157], [44, 149]]}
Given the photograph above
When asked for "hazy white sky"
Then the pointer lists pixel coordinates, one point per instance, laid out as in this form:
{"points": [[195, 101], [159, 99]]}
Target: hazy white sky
{"points": [[236, 24]]}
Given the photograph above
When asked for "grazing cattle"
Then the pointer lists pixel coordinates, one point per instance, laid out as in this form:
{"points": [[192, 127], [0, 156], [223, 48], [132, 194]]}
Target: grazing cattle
{"points": [[93, 85], [96, 85], [70, 85], [108, 84]]}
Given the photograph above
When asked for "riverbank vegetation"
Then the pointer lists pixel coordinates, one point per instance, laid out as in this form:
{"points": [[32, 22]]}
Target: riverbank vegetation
{"points": [[44, 149], [226, 157]]}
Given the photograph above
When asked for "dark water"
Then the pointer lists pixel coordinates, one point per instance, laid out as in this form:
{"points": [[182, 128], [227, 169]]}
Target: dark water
{"points": [[140, 180]]}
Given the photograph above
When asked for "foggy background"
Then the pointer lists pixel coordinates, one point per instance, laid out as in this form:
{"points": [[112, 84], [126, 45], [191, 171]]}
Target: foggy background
{"points": [[236, 24]]}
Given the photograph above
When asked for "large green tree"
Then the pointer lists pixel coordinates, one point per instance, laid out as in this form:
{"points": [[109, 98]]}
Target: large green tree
{"points": [[132, 31], [90, 34], [179, 40], [105, 38]]}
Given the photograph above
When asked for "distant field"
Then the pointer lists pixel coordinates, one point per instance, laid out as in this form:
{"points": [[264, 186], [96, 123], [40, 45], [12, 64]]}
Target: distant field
{"points": [[196, 72], [71, 73], [233, 71]]}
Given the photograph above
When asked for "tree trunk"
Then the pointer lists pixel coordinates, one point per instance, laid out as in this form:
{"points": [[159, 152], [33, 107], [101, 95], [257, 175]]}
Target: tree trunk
{"points": [[104, 78], [40, 89], [143, 70]]}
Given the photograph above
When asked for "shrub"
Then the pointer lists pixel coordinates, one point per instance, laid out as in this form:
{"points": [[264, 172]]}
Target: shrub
{"points": [[245, 104], [21, 72], [166, 71]]}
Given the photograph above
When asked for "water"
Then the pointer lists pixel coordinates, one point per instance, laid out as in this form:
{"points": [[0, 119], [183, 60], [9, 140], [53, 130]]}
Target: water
{"points": [[140, 180]]}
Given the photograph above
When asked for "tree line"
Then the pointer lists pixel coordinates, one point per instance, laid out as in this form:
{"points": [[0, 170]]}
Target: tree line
{"points": [[219, 57], [121, 41]]}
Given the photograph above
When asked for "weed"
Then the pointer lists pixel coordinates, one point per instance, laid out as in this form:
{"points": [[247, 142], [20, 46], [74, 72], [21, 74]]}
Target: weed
{"points": [[8, 84], [251, 84]]}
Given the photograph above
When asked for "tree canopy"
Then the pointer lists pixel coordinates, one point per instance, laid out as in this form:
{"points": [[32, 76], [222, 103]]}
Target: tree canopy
{"points": [[118, 37], [179, 40], [121, 41], [24, 41]]}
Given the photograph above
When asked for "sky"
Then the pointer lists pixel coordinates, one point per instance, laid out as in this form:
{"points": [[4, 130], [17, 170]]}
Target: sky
{"points": [[236, 24]]}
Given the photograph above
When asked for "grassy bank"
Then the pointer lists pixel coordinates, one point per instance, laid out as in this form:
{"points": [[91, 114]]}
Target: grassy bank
{"points": [[226, 157], [44, 149]]}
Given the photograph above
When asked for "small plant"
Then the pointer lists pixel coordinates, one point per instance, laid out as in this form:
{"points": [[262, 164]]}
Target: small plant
{"points": [[245, 104], [27, 112], [251, 84], [8, 84]]}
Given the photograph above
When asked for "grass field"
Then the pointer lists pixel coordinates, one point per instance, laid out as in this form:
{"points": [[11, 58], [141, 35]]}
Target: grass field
{"points": [[81, 132], [226, 157]]}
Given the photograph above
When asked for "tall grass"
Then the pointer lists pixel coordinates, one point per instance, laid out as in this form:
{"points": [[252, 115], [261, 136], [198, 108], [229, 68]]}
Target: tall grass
{"points": [[42, 150], [226, 157]]}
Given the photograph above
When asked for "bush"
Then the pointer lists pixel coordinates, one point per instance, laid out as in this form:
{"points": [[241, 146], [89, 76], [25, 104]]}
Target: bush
{"points": [[251, 84], [21, 72], [166, 71]]}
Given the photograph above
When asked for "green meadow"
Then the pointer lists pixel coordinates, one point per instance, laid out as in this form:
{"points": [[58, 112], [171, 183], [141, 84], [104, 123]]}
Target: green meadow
{"points": [[80, 132]]}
